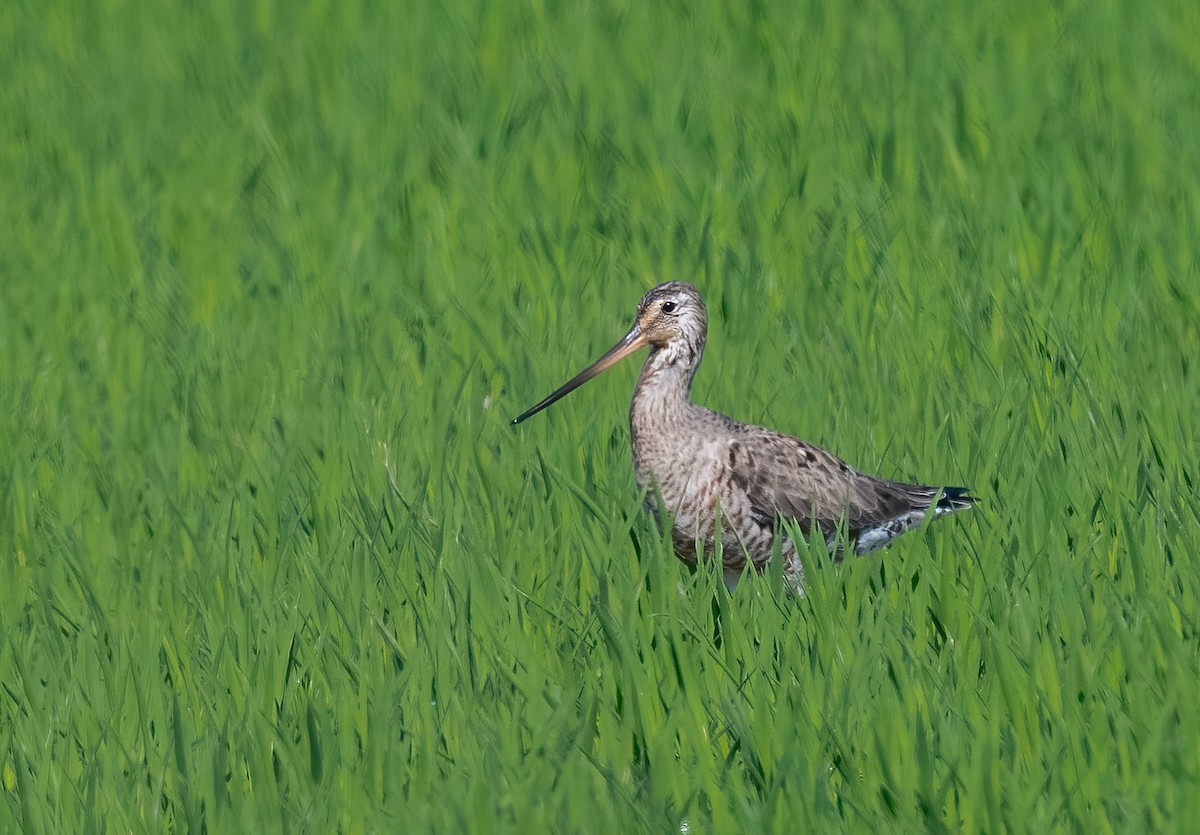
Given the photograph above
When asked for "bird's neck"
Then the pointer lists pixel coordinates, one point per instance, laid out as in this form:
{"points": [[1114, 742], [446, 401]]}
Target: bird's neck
{"points": [[663, 388]]}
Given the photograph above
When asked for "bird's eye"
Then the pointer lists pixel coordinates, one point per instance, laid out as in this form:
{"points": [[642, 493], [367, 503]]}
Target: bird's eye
{"points": [[669, 307]]}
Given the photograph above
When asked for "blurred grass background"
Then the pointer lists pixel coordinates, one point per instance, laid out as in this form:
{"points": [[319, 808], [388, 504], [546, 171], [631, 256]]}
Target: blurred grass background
{"points": [[273, 279]]}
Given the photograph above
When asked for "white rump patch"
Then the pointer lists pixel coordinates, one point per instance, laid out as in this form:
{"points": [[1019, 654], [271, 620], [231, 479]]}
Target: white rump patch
{"points": [[872, 539]]}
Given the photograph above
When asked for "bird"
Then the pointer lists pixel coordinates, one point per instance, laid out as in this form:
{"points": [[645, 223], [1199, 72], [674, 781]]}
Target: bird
{"points": [[715, 479]]}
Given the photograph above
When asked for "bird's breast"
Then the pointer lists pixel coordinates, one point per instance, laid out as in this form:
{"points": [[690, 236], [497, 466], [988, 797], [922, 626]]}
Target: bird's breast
{"points": [[686, 477]]}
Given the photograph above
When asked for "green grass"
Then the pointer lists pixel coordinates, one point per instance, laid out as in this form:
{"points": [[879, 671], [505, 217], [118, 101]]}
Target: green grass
{"points": [[274, 279]]}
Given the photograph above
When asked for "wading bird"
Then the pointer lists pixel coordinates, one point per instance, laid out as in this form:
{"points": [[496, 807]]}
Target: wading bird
{"points": [[714, 478]]}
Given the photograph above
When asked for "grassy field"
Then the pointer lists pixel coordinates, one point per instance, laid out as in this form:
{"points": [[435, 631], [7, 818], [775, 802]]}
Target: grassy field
{"points": [[273, 280]]}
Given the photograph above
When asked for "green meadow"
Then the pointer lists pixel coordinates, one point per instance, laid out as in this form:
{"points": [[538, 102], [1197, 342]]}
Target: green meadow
{"points": [[274, 279]]}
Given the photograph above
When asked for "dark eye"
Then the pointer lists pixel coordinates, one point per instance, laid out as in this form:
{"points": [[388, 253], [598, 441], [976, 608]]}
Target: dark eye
{"points": [[669, 307]]}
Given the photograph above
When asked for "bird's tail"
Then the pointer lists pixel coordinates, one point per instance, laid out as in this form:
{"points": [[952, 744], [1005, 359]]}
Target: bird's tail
{"points": [[955, 498]]}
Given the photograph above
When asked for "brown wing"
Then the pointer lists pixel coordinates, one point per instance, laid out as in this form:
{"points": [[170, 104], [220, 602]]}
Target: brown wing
{"points": [[786, 478]]}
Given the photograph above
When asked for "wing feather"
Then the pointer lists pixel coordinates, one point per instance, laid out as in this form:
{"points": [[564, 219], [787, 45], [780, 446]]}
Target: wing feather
{"points": [[785, 478]]}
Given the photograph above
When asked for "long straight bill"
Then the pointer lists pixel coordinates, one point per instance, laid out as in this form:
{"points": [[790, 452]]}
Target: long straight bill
{"points": [[628, 344]]}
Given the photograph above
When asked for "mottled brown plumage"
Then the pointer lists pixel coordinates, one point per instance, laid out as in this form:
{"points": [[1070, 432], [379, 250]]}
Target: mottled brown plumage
{"points": [[714, 477]]}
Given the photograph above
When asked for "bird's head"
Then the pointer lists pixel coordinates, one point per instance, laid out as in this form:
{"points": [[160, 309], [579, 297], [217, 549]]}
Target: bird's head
{"points": [[671, 318]]}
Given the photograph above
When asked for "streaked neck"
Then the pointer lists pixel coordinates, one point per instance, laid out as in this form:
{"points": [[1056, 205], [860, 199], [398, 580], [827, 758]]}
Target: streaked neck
{"points": [[666, 378]]}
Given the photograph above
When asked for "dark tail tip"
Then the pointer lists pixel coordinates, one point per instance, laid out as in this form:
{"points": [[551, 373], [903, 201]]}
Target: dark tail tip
{"points": [[956, 498]]}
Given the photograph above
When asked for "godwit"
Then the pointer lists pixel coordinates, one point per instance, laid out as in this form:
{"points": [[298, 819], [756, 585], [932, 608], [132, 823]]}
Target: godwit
{"points": [[703, 470]]}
